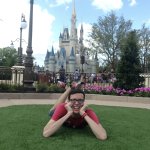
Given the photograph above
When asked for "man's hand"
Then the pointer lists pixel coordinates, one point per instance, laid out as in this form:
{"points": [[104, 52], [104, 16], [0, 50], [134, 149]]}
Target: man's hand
{"points": [[68, 107], [83, 108]]}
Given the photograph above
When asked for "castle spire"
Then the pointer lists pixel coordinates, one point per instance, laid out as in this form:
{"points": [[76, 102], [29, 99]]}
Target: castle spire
{"points": [[73, 10], [73, 18], [81, 35], [73, 31]]}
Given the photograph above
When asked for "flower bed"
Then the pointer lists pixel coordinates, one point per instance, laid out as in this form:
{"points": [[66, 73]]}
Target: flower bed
{"points": [[89, 89], [109, 90]]}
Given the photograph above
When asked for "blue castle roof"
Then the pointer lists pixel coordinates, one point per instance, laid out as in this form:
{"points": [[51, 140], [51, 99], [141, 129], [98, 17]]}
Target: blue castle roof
{"points": [[63, 52], [72, 55]]}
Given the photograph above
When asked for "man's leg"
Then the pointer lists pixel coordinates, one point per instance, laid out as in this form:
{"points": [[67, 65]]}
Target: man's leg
{"points": [[61, 99], [64, 96]]}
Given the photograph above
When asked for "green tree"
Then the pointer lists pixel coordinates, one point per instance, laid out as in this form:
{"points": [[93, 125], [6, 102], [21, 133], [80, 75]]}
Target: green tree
{"points": [[8, 56], [129, 68], [106, 37], [144, 36]]}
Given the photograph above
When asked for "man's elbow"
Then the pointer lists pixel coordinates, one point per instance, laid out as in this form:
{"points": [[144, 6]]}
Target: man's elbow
{"points": [[102, 137], [46, 134]]}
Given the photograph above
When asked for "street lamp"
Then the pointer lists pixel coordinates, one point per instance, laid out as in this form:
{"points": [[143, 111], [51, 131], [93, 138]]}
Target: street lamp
{"points": [[12, 43], [22, 26], [28, 72]]}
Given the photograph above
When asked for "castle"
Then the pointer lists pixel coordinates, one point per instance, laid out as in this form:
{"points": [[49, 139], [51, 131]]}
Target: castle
{"points": [[72, 54]]}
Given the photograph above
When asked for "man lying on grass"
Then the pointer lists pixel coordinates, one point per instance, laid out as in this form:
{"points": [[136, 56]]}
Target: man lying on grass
{"points": [[73, 113]]}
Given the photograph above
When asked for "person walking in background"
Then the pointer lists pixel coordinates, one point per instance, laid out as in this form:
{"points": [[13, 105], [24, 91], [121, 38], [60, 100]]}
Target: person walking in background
{"points": [[76, 75]]}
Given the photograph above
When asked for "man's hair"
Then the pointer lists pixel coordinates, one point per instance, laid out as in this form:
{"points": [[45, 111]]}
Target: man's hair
{"points": [[75, 91]]}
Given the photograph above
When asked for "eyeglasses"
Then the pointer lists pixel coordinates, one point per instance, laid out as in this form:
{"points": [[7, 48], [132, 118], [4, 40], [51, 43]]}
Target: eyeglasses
{"points": [[77, 100]]}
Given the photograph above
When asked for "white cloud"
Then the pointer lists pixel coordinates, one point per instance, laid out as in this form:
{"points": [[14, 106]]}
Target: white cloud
{"points": [[42, 31], [107, 5], [10, 25], [60, 2], [132, 2]]}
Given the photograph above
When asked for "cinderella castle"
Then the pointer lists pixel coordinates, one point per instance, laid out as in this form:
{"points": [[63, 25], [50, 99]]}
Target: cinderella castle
{"points": [[72, 54]]}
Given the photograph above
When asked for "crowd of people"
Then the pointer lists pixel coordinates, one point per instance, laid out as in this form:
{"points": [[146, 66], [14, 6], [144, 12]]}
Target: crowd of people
{"points": [[91, 78]]}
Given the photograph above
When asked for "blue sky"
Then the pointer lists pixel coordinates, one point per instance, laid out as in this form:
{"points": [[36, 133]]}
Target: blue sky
{"points": [[50, 16]]}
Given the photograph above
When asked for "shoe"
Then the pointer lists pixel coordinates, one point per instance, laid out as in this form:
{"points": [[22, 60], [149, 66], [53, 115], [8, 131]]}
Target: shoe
{"points": [[77, 85], [61, 84], [80, 85]]}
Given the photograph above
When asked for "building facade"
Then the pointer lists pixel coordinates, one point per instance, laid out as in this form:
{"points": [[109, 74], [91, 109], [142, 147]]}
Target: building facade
{"points": [[71, 51]]}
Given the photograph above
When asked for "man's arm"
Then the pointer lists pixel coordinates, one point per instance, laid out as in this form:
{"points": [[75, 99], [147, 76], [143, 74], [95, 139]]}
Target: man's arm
{"points": [[52, 126], [97, 129]]}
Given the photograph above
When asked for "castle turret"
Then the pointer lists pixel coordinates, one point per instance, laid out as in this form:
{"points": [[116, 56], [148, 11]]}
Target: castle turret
{"points": [[64, 41], [72, 61], [60, 39], [94, 63], [81, 35], [73, 33], [52, 61], [62, 58], [46, 61]]}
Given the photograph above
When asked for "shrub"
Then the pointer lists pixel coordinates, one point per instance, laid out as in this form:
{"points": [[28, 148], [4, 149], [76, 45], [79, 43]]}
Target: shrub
{"points": [[41, 88], [53, 88], [11, 88]]}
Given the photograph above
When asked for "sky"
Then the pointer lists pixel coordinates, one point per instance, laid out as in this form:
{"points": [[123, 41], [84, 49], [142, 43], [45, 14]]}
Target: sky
{"points": [[51, 16]]}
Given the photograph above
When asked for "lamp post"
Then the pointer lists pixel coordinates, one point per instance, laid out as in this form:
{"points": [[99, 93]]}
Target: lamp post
{"points": [[23, 26], [28, 72]]}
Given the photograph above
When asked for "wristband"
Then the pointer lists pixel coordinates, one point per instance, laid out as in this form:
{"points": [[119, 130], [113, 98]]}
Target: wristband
{"points": [[84, 114]]}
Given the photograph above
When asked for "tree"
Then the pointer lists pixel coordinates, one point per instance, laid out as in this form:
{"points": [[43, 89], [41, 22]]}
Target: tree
{"points": [[106, 37], [8, 56], [144, 36], [129, 68]]}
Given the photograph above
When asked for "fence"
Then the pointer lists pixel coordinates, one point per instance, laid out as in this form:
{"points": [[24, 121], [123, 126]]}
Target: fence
{"points": [[102, 79], [5, 75]]}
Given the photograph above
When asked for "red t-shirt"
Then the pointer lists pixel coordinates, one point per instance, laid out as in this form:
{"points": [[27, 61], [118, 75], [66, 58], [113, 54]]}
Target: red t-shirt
{"points": [[77, 122]]}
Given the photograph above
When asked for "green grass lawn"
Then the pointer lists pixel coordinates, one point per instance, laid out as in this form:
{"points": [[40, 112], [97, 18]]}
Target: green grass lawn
{"points": [[21, 129]]}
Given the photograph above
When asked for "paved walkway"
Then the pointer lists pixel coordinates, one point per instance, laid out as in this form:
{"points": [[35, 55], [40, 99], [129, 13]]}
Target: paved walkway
{"points": [[10, 102]]}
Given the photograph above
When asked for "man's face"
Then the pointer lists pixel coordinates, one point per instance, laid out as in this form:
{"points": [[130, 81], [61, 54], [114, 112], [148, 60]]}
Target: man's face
{"points": [[77, 101]]}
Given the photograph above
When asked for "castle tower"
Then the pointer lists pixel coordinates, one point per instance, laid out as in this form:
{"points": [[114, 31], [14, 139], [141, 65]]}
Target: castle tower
{"points": [[70, 51], [94, 63], [73, 32], [81, 35], [46, 61], [52, 61], [62, 58]]}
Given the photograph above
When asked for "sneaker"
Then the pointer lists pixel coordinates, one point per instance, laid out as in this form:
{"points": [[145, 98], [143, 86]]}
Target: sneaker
{"points": [[77, 85], [61, 84]]}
